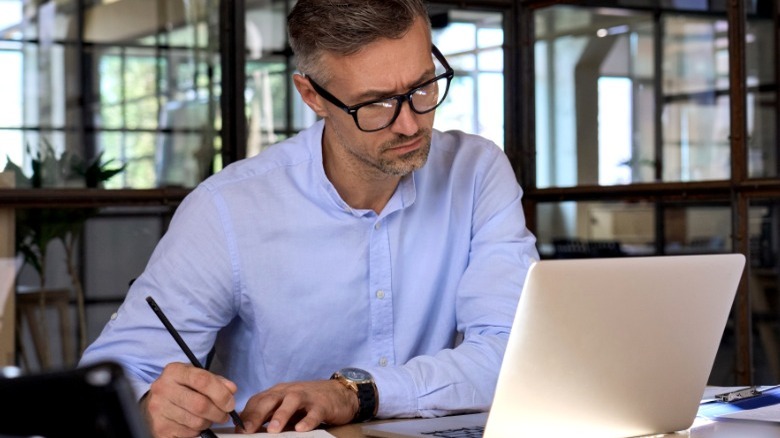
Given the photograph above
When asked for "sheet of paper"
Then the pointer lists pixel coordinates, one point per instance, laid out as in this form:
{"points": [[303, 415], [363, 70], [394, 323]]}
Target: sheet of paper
{"points": [[317, 433], [767, 413]]}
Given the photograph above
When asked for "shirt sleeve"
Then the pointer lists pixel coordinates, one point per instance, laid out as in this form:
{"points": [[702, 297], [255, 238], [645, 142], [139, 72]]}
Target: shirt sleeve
{"points": [[463, 379], [199, 299]]}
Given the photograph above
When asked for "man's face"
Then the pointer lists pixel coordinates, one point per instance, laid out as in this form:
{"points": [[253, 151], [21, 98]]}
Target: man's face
{"points": [[384, 68]]}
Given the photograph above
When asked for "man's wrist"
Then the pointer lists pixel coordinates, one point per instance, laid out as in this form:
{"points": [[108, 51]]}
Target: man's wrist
{"points": [[361, 383], [143, 406], [350, 397]]}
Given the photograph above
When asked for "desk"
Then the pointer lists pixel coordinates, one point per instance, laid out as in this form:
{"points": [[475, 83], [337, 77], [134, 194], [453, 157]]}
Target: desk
{"points": [[733, 429], [701, 429]]}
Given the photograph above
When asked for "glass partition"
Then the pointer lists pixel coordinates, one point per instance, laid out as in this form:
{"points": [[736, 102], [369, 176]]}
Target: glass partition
{"points": [[764, 281], [614, 228], [115, 82], [472, 42], [129, 93], [608, 112], [640, 91], [695, 114], [762, 114], [141, 88], [595, 229]]}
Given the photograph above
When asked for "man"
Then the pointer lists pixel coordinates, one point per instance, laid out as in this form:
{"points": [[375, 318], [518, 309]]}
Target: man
{"points": [[368, 241]]}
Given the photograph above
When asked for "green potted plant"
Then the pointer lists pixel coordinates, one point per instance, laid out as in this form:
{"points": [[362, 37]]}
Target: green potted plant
{"points": [[38, 227]]}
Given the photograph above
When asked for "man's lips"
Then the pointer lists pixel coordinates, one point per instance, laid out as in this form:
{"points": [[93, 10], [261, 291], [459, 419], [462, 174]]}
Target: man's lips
{"points": [[407, 147]]}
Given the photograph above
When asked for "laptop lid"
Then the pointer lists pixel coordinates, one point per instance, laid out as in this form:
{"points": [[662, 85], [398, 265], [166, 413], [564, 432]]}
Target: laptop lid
{"points": [[605, 347], [94, 401], [613, 347]]}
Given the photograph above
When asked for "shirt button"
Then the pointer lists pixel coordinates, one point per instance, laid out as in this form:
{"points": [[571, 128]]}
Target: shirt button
{"points": [[378, 225], [380, 294], [383, 362], [113, 316]]}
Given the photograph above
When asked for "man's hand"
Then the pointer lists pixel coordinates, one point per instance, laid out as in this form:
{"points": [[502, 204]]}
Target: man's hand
{"points": [[185, 400], [321, 401]]}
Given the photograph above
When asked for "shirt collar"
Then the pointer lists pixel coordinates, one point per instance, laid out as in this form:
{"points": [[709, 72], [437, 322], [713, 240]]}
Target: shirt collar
{"points": [[404, 194]]}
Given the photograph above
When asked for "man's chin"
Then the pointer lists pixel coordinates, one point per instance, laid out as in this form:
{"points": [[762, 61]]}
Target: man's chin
{"points": [[408, 162]]}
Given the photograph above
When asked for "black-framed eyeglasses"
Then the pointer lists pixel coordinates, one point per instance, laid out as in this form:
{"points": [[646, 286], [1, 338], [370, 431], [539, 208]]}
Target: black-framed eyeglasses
{"points": [[378, 114]]}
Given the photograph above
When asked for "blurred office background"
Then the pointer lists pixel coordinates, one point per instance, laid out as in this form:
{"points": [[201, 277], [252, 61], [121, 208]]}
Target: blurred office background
{"points": [[636, 127]]}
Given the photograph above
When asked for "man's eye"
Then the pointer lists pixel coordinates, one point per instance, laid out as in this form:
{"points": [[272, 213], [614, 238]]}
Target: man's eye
{"points": [[383, 104]]}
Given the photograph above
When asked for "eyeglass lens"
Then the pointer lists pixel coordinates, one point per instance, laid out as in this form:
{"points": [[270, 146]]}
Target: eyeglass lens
{"points": [[380, 114]]}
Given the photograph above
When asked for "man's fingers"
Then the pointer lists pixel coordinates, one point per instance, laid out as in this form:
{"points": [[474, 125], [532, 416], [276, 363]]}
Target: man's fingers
{"points": [[186, 422], [218, 389], [172, 400], [200, 406], [302, 405], [313, 418], [185, 400], [167, 419], [292, 403], [228, 384], [259, 409]]}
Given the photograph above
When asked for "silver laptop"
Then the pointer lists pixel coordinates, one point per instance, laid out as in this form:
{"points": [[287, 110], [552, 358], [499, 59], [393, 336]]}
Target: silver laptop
{"points": [[613, 347]]}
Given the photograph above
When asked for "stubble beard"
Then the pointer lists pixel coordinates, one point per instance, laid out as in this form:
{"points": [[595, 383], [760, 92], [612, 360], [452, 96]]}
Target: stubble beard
{"points": [[403, 164]]}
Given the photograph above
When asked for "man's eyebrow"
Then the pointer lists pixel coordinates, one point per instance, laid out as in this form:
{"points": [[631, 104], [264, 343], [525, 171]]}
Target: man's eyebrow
{"points": [[379, 94]]}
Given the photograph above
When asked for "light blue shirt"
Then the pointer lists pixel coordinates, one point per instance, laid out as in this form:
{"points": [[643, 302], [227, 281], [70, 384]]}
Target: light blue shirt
{"points": [[266, 259]]}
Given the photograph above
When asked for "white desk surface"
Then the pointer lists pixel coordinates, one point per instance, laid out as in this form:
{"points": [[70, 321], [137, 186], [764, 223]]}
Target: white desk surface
{"points": [[702, 427], [719, 429], [730, 429]]}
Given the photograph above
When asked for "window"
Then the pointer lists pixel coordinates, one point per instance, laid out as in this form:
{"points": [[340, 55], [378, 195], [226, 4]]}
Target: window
{"points": [[139, 94], [144, 86], [472, 42], [651, 139]]}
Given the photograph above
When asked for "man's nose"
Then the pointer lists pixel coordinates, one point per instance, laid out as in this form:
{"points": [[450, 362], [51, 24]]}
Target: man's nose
{"points": [[406, 123]]}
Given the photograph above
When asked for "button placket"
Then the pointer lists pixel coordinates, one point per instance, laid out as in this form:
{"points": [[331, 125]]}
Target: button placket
{"points": [[381, 303]]}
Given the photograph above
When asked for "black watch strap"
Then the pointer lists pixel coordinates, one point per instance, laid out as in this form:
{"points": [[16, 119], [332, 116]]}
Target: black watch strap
{"points": [[366, 402], [362, 384]]}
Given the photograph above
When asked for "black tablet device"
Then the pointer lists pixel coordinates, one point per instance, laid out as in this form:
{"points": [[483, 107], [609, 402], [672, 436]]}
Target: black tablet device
{"points": [[93, 401]]}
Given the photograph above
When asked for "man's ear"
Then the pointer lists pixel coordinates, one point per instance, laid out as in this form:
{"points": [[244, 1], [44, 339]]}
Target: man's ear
{"points": [[309, 95]]}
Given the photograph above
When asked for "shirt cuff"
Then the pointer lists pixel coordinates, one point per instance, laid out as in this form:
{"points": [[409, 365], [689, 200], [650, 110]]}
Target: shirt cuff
{"points": [[397, 392]]}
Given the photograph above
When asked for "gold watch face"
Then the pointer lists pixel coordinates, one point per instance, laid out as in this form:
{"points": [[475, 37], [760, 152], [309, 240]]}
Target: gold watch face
{"points": [[356, 375]]}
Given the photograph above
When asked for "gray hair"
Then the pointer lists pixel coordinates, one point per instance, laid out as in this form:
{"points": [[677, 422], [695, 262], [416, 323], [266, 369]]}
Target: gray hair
{"points": [[344, 27]]}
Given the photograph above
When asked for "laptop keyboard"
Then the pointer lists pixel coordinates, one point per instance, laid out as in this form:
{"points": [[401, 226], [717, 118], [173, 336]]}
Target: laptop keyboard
{"points": [[464, 432]]}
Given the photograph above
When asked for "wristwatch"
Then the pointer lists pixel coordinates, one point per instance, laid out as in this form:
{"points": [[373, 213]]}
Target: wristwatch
{"points": [[362, 384]]}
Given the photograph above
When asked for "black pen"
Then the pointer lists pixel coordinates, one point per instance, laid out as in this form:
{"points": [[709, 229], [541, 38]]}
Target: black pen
{"points": [[157, 311]]}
